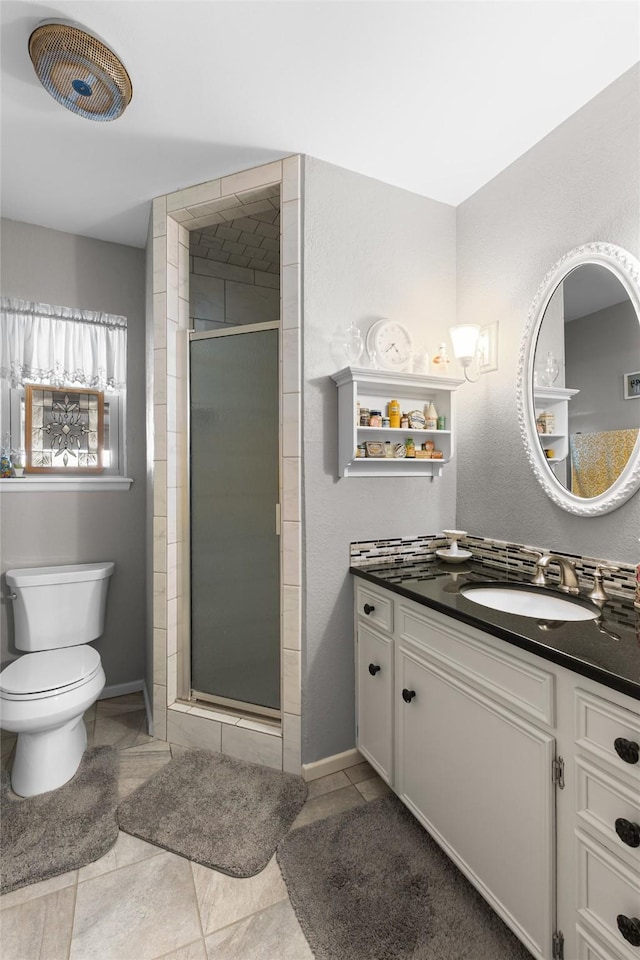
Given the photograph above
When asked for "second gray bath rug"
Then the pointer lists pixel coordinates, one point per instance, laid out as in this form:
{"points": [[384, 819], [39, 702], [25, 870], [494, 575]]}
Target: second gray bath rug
{"points": [[221, 812]]}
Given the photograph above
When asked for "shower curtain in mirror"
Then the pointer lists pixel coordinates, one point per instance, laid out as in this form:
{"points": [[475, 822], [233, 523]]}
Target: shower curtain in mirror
{"points": [[598, 459]]}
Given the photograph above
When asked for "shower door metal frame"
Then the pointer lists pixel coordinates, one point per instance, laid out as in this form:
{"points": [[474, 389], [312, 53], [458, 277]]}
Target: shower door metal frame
{"points": [[188, 691]]}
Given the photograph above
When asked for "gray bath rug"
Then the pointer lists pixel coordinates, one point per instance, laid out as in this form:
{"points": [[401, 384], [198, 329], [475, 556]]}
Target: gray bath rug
{"points": [[370, 884], [221, 812], [62, 829]]}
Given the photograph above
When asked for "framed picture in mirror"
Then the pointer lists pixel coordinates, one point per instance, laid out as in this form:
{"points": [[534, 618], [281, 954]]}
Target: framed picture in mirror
{"points": [[632, 386]]}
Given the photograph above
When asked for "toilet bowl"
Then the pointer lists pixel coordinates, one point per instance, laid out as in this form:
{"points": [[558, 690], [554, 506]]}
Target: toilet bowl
{"points": [[44, 694]]}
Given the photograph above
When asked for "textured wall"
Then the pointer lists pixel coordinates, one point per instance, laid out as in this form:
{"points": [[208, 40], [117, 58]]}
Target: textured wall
{"points": [[580, 184], [601, 348], [50, 528], [370, 250]]}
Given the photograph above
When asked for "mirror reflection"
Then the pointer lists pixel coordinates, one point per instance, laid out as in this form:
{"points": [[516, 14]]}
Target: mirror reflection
{"points": [[587, 415]]}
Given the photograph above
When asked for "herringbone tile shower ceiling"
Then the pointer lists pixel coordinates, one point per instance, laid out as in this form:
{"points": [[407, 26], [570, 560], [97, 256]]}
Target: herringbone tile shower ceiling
{"points": [[435, 96]]}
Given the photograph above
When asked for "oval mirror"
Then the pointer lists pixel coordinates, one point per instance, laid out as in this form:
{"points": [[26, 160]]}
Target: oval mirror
{"points": [[579, 380]]}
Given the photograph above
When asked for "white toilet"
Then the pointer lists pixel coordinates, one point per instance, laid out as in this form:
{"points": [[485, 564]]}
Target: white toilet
{"points": [[43, 696]]}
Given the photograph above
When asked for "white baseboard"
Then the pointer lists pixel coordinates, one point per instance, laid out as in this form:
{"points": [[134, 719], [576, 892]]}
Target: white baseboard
{"points": [[121, 689], [339, 761]]}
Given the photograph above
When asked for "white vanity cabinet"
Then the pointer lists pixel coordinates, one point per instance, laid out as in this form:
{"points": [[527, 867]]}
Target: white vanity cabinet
{"points": [[374, 389], [510, 762], [476, 772]]}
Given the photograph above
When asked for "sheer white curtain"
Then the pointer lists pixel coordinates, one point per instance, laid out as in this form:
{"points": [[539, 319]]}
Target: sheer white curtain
{"points": [[61, 346]]}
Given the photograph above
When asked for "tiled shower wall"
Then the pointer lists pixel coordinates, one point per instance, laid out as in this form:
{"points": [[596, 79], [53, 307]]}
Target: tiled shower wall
{"points": [[174, 717]]}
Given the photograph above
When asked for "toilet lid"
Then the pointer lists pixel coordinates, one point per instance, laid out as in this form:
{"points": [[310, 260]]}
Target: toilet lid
{"points": [[49, 671]]}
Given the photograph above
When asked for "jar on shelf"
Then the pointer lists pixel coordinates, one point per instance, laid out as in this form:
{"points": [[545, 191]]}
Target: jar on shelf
{"points": [[365, 416], [375, 418]]}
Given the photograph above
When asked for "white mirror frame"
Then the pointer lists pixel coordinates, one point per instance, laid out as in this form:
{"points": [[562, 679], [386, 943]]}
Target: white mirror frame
{"points": [[627, 269]]}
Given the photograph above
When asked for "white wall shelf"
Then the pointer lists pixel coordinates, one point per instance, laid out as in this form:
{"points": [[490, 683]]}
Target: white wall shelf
{"points": [[374, 389]]}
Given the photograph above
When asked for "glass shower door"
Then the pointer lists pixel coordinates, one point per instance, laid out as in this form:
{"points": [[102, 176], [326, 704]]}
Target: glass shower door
{"points": [[235, 549]]}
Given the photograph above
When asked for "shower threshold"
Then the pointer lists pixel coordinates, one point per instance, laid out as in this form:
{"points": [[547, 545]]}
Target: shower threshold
{"points": [[236, 709]]}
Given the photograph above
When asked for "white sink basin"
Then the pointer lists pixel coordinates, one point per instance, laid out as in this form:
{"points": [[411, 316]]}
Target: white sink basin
{"points": [[529, 602]]}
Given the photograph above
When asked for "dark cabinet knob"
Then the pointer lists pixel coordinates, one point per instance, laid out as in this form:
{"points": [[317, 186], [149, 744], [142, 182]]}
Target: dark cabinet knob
{"points": [[375, 668], [629, 927], [368, 608], [627, 750], [408, 695], [628, 832]]}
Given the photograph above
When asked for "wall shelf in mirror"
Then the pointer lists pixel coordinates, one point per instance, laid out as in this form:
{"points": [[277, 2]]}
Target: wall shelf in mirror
{"points": [[555, 400], [373, 390]]}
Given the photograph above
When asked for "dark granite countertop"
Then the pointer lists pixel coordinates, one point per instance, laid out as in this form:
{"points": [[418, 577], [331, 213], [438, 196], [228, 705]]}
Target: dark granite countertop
{"points": [[606, 649]]}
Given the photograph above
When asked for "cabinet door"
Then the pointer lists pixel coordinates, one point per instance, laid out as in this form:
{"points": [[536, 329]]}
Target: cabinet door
{"points": [[374, 692], [480, 780]]}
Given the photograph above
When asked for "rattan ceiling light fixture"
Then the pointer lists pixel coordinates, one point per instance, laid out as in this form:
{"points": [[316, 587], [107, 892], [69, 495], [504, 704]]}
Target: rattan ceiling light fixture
{"points": [[79, 70]]}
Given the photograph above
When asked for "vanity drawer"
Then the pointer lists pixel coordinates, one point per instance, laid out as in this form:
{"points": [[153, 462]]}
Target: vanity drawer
{"points": [[607, 889], [602, 800], [590, 948], [374, 608], [519, 685], [609, 732]]}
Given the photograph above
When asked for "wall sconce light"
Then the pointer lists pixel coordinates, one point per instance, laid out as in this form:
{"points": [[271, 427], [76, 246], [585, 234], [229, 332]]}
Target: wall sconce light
{"points": [[471, 342]]}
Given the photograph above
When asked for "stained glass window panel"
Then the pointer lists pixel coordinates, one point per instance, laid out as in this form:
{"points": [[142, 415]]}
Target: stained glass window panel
{"points": [[65, 429]]}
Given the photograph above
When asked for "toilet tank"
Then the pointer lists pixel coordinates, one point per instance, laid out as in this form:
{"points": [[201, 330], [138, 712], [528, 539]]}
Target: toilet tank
{"points": [[59, 606]]}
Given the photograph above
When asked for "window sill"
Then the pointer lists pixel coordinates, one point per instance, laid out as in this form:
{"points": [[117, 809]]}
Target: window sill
{"points": [[42, 484]]}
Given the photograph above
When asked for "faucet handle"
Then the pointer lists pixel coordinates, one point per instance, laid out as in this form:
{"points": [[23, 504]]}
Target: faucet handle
{"points": [[538, 578], [598, 593]]}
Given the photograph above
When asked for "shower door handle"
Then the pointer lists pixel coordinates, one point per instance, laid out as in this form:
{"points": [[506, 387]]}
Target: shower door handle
{"points": [[278, 525]]}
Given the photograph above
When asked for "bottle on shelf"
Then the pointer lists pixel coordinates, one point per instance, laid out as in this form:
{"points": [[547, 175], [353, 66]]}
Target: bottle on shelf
{"points": [[410, 447], [431, 417], [441, 360], [394, 414]]}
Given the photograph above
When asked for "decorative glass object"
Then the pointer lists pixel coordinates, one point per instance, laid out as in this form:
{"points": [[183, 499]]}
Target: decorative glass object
{"points": [[374, 362], [353, 344], [64, 430], [420, 359], [550, 371]]}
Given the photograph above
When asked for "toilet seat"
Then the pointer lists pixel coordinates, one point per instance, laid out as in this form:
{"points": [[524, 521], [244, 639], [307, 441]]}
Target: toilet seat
{"points": [[49, 673]]}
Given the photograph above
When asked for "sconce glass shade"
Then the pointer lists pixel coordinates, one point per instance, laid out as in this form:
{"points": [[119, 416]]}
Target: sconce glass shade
{"points": [[465, 341]]}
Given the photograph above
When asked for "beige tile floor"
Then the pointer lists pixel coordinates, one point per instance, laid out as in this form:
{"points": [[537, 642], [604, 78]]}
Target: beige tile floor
{"points": [[139, 902]]}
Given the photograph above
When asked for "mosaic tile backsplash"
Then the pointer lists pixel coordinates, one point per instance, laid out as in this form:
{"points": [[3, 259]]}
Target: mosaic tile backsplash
{"points": [[494, 553]]}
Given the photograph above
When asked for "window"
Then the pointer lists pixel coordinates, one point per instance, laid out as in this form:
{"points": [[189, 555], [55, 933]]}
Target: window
{"points": [[69, 367]]}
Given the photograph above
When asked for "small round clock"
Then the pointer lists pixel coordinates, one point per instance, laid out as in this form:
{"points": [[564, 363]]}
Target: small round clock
{"points": [[391, 342]]}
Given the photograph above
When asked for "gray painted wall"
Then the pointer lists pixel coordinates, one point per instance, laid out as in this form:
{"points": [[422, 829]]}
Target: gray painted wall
{"points": [[49, 528], [601, 348], [580, 184], [370, 250]]}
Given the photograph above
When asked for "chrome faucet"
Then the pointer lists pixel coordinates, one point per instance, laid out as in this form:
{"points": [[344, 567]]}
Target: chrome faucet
{"points": [[568, 579]]}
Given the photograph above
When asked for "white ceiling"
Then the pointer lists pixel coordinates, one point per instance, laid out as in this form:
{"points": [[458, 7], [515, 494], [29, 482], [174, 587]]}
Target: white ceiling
{"points": [[436, 97]]}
